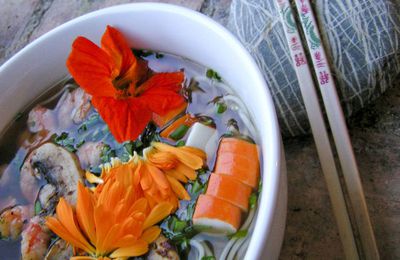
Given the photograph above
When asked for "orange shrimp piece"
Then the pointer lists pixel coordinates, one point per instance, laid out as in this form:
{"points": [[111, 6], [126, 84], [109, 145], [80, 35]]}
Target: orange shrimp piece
{"points": [[239, 159], [230, 189], [216, 215]]}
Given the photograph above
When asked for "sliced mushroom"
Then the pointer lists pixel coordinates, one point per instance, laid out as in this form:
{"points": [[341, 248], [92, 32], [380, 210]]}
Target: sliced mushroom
{"points": [[12, 220], [60, 168], [46, 200], [59, 250], [162, 249], [35, 239]]}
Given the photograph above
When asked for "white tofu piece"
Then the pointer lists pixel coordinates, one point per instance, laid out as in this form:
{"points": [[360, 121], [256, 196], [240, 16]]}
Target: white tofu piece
{"points": [[203, 137]]}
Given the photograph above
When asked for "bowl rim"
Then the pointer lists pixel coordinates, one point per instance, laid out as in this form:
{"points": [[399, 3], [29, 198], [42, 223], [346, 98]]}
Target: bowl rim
{"points": [[269, 197]]}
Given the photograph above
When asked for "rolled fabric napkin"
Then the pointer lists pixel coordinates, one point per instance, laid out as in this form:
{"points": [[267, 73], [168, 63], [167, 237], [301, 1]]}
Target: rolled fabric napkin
{"points": [[362, 40]]}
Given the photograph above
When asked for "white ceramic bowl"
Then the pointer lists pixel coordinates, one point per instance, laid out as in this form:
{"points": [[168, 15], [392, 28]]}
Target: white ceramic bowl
{"points": [[182, 32]]}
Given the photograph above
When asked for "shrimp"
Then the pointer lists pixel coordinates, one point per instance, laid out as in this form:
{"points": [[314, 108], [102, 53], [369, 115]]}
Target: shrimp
{"points": [[59, 250], [89, 154], [41, 118], [73, 107], [12, 221], [35, 239]]}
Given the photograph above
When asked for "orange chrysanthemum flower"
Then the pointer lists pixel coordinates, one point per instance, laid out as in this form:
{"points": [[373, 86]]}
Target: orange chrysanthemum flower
{"points": [[158, 175], [116, 222], [121, 91]]}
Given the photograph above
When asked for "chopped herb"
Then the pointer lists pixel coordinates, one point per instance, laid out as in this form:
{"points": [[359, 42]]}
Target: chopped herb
{"points": [[180, 143], [93, 118], [194, 85], [18, 116], [202, 171], [215, 100], [221, 107], [70, 148], [106, 154], [240, 234], [38, 207], [80, 143], [96, 135], [179, 132], [129, 147], [65, 141], [82, 128], [206, 120], [190, 210], [210, 257], [61, 137], [196, 187], [179, 225], [253, 200], [211, 74], [141, 53], [159, 55], [125, 157]]}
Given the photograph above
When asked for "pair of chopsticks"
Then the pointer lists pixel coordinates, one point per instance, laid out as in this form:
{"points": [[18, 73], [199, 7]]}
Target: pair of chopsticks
{"points": [[338, 127]]}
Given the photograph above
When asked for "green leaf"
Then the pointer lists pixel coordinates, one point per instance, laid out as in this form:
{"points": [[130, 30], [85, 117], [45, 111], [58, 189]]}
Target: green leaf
{"points": [[180, 143], [80, 143], [221, 107], [82, 128], [18, 116], [197, 186], [159, 55], [253, 200], [210, 257], [38, 207], [211, 74], [240, 234], [129, 147], [179, 225]]}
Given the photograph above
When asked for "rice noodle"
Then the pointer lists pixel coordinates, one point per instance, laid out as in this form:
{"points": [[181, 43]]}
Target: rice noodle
{"points": [[199, 247], [206, 249], [242, 251], [230, 247], [62, 92]]}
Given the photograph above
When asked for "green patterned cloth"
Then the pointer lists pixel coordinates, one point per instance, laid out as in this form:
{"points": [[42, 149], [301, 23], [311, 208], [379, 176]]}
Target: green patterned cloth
{"points": [[362, 38]]}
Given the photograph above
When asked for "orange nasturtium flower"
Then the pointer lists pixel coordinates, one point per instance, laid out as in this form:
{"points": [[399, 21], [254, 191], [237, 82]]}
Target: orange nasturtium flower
{"points": [[121, 91], [115, 223]]}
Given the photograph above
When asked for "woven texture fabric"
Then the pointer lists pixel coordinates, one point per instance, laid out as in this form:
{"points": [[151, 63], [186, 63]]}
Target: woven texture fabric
{"points": [[362, 40]]}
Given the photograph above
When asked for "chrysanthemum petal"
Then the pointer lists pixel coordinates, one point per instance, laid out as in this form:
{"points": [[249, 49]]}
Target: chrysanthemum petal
{"points": [[84, 212], [178, 189], [139, 248], [151, 234], [90, 177], [186, 157], [158, 213]]}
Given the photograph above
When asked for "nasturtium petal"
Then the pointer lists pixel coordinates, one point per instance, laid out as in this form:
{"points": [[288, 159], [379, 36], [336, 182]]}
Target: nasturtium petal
{"points": [[91, 68]]}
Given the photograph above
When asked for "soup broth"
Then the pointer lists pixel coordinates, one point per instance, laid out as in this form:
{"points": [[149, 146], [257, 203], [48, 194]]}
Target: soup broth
{"points": [[64, 117]]}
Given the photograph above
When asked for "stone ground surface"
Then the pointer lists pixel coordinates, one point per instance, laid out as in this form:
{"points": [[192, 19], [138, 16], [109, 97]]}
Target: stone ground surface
{"points": [[311, 232]]}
